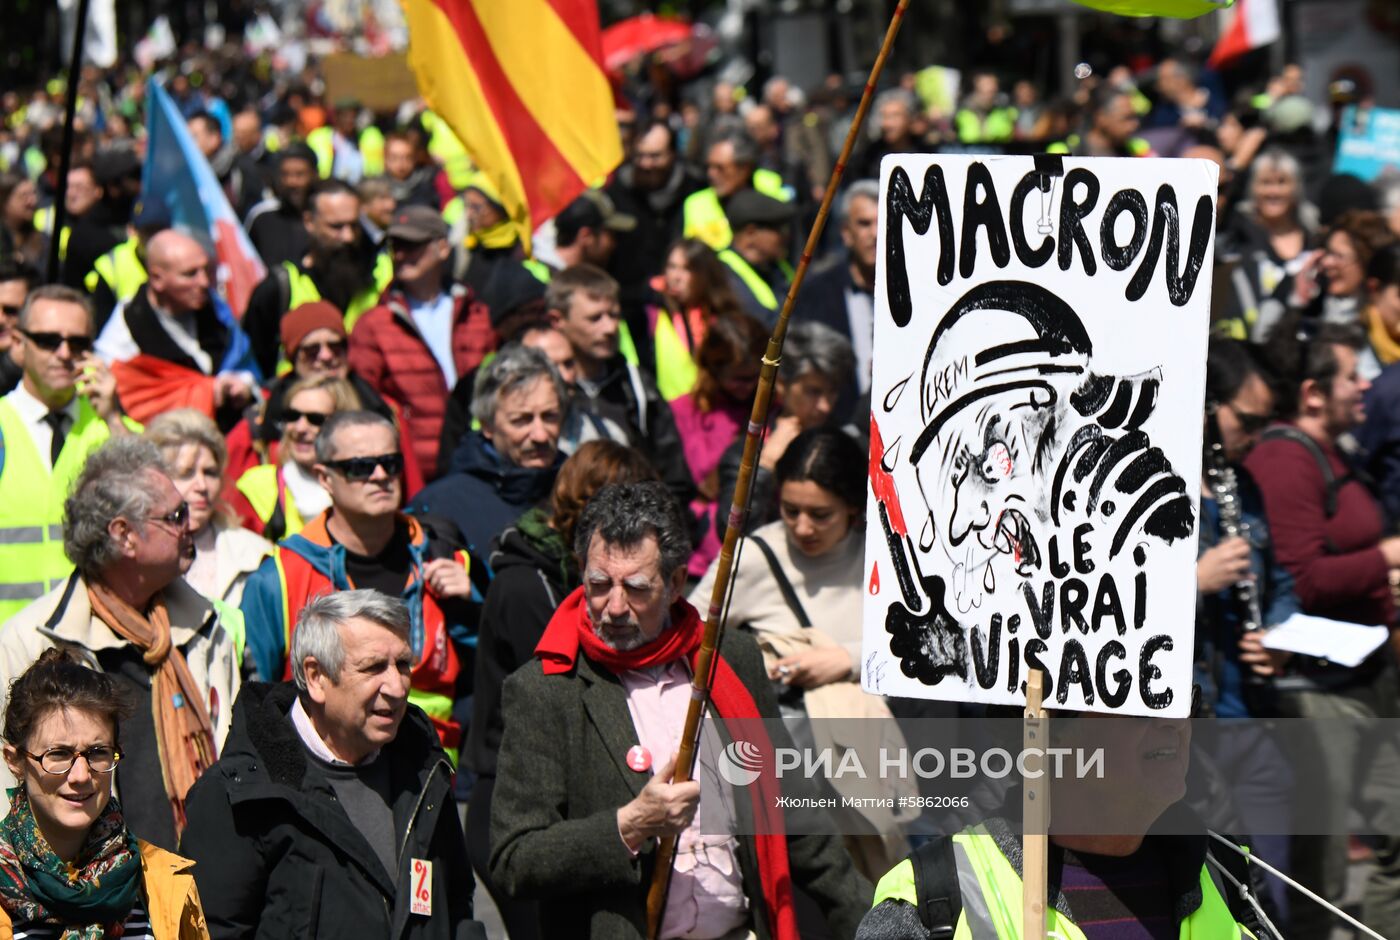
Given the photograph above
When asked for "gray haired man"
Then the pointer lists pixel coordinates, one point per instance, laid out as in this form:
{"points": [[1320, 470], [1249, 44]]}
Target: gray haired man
{"points": [[508, 465], [129, 612], [584, 786], [330, 813]]}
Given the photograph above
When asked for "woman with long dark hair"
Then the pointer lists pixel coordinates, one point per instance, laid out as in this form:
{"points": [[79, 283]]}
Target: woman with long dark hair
{"points": [[695, 292]]}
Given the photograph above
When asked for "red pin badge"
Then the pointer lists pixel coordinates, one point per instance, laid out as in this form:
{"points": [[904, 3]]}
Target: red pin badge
{"points": [[639, 758]]}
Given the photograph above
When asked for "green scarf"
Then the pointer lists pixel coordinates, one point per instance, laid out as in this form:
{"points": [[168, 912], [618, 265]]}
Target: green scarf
{"points": [[535, 528], [88, 898]]}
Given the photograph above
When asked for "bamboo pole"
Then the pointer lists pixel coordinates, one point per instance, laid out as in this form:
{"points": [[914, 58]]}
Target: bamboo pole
{"points": [[65, 159], [738, 511]]}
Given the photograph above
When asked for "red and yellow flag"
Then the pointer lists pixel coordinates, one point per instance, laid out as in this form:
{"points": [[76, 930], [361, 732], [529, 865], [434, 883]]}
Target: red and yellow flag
{"points": [[521, 83]]}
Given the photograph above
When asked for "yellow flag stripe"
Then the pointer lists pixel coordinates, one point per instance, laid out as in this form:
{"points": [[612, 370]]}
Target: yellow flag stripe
{"points": [[560, 84]]}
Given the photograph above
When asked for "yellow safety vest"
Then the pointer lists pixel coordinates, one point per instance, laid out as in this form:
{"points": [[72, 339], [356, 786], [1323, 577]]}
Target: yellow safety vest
{"points": [[370, 144], [1137, 146], [32, 561], [303, 289], [448, 150], [259, 486], [43, 222], [752, 279], [704, 213], [676, 371], [997, 126], [121, 268], [994, 910]]}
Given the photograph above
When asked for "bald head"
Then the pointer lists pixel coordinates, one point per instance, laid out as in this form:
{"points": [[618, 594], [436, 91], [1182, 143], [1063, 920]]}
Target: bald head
{"points": [[178, 268]]}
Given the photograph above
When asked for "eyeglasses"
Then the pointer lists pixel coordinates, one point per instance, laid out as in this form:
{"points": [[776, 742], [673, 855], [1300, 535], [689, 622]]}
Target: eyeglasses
{"points": [[60, 760], [291, 416], [178, 517], [310, 352], [49, 342], [359, 469]]}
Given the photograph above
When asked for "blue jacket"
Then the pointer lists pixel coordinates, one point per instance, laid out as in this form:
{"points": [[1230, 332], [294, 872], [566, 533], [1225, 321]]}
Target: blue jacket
{"points": [[482, 494], [1379, 437]]}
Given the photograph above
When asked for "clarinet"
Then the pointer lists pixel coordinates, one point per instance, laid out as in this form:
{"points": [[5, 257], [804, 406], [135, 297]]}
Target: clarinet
{"points": [[1224, 485]]}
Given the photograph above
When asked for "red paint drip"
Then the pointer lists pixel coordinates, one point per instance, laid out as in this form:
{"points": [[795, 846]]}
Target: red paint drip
{"points": [[875, 578], [882, 484]]}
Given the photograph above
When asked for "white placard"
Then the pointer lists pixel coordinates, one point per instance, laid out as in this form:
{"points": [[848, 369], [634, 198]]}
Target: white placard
{"points": [[1036, 417]]}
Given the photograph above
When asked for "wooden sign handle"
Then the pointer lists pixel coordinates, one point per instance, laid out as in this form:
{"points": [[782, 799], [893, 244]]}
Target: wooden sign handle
{"points": [[1035, 811]]}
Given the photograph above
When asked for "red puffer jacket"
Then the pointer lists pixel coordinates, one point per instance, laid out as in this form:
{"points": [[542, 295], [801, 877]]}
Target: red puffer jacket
{"points": [[389, 353]]}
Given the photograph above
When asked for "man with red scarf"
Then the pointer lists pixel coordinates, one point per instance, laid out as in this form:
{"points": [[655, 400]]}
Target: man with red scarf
{"points": [[592, 727]]}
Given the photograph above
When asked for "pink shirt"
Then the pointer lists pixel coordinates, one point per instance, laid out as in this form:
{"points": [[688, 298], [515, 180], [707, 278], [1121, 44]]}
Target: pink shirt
{"points": [[706, 899]]}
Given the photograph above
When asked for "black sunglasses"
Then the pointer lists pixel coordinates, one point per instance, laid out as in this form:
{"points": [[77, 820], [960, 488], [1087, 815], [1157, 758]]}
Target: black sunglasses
{"points": [[310, 352], [49, 342], [177, 517], [359, 469], [1250, 423], [291, 416], [11, 310]]}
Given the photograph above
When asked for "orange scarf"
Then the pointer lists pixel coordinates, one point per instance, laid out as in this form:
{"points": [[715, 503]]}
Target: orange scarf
{"points": [[184, 734]]}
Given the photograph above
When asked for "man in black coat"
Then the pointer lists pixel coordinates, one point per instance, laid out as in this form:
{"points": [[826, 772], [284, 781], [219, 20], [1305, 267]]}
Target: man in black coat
{"points": [[330, 813]]}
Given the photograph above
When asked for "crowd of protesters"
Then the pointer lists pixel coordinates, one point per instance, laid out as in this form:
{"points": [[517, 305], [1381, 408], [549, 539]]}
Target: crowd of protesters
{"points": [[428, 539]]}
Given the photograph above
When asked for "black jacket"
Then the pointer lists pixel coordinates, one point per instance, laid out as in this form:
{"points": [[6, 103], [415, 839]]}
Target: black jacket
{"points": [[483, 493], [533, 572], [629, 398], [278, 857]]}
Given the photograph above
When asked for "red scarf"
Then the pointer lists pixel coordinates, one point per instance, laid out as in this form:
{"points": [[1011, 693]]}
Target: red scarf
{"points": [[570, 630]]}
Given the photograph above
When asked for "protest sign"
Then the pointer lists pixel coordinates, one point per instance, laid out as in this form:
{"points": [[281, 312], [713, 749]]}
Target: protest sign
{"points": [[1368, 142], [1036, 419]]}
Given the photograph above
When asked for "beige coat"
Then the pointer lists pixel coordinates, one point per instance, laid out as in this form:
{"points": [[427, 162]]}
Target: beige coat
{"points": [[64, 617]]}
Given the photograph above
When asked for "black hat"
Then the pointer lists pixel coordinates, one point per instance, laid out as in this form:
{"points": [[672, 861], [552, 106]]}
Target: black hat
{"points": [[591, 210], [114, 164], [296, 151], [510, 287], [751, 207]]}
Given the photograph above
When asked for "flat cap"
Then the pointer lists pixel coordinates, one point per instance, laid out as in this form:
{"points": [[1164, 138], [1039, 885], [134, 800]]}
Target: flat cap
{"points": [[751, 207], [416, 224]]}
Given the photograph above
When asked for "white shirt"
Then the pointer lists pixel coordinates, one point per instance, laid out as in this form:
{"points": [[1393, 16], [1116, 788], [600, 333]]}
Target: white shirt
{"points": [[434, 322], [860, 310], [309, 496], [32, 412]]}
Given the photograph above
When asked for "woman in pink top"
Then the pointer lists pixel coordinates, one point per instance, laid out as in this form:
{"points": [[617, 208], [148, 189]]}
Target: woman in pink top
{"points": [[713, 414]]}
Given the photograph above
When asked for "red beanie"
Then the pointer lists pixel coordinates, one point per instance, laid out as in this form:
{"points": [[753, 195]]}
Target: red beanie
{"points": [[315, 315]]}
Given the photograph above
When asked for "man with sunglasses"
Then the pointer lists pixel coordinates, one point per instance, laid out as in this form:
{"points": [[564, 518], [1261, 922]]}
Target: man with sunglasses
{"points": [[63, 409], [1242, 592], [1330, 532], [129, 613], [16, 281], [426, 332], [364, 541]]}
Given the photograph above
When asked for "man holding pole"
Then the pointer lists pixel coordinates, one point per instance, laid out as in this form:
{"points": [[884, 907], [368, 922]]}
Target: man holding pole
{"points": [[592, 727]]}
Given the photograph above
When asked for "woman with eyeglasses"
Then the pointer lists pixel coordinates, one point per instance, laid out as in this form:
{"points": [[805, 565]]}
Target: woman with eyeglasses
{"points": [[225, 552], [317, 345], [69, 867], [275, 500]]}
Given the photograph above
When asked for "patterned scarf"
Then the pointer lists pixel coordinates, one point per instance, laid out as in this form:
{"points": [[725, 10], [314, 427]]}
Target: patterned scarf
{"points": [[89, 898], [184, 734]]}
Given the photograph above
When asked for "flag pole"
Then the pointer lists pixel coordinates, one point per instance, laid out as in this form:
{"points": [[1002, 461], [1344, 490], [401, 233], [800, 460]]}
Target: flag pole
{"points": [[65, 160], [738, 511]]}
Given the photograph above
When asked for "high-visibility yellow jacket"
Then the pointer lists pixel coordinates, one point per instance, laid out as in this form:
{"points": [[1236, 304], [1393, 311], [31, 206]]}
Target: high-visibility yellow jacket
{"points": [[704, 216], [121, 268], [990, 890], [32, 561], [303, 289]]}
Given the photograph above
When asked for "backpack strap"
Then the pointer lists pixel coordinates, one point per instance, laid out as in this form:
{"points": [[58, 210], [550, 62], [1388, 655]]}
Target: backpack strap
{"points": [[1283, 432], [784, 585], [936, 886]]}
